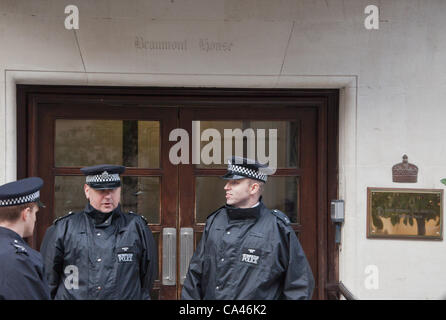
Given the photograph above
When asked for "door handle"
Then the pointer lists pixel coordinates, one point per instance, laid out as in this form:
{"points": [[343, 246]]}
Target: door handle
{"points": [[169, 256], [187, 249]]}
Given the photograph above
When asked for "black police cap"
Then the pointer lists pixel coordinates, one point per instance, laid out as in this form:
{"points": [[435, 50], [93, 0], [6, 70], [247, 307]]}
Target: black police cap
{"points": [[20, 192], [241, 168], [104, 176]]}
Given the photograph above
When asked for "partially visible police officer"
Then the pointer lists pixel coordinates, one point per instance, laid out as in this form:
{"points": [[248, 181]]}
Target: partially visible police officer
{"points": [[21, 268], [100, 252], [248, 251]]}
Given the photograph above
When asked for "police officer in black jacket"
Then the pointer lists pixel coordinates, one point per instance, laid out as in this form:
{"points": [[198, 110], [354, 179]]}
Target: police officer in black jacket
{"points": [[21, 268], [100, 252], [248, 252]]}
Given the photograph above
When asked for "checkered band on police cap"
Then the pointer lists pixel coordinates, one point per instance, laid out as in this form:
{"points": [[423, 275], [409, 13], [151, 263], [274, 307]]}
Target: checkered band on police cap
{"points": [[33, 197], [104, 177], [246, 172]]}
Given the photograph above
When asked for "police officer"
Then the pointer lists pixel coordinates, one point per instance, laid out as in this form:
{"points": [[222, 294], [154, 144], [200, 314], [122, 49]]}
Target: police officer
{"points": [[100, 252], [21, 268], [248, 251]]}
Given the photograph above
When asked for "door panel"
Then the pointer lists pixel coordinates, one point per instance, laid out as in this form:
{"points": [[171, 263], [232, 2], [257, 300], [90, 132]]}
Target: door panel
{"points": [[292, 189], [76, 136], [61, 129]]}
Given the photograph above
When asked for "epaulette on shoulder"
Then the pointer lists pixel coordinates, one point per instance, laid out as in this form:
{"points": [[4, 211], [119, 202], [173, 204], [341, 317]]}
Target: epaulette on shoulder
{"points": [[214, 212], [142, 217], [282, 216], [63, 217], [19, 248]]}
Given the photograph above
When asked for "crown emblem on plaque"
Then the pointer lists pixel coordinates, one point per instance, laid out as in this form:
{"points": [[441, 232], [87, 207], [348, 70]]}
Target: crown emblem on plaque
{"points": [[404, 171]]}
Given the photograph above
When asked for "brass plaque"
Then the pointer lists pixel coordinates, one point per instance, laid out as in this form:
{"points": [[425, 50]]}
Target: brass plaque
{"points": [[405, 213]]}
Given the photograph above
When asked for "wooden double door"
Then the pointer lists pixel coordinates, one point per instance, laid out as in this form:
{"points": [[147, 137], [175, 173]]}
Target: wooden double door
{"points": [[174, 143]]}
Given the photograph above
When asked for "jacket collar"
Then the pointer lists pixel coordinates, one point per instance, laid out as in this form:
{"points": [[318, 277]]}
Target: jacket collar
{"points": [[100, 218], [11, 234], [244, 213]]}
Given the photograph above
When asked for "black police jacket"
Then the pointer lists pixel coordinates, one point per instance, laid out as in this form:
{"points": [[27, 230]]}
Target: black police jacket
{"points": [[115, 259], [248, 254], [21, 269]]}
